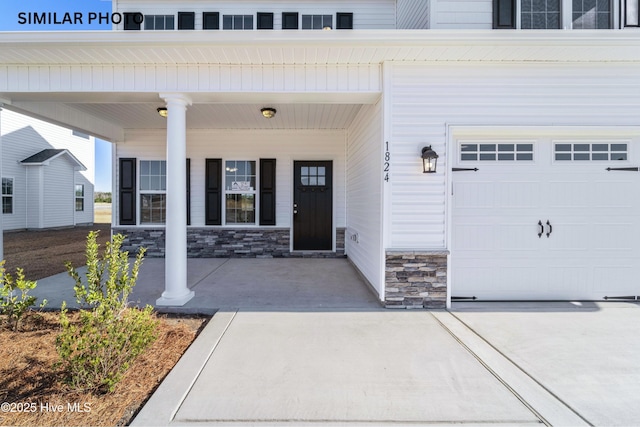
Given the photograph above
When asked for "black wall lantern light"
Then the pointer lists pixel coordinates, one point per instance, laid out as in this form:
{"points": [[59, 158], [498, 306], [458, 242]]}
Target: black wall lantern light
{"points": [[429, 160]]}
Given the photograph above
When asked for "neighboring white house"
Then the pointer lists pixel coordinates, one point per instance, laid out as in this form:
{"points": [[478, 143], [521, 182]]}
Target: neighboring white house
{"points": [[298, 128], [47, 174]]}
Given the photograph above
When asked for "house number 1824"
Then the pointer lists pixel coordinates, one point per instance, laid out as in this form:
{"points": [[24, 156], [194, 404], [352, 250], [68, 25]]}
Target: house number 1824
{"points": [[387, 159]]}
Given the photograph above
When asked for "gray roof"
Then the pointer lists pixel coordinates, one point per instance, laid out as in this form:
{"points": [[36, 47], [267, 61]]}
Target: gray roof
{"points": [[44, 156]]}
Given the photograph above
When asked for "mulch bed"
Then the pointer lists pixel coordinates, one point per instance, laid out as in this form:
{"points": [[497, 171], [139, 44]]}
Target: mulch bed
{"points": [[35, 390]]}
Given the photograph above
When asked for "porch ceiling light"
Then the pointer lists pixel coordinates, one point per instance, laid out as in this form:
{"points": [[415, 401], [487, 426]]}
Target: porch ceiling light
{"points": [[429, 160], [163, 111], [268, 112]]}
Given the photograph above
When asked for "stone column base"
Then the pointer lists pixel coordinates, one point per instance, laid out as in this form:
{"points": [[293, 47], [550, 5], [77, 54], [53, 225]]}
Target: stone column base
{"points": [[416, 279]]}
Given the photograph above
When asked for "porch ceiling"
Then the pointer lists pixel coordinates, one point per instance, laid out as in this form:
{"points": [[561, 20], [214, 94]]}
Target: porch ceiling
{"points": [[228, 116]]}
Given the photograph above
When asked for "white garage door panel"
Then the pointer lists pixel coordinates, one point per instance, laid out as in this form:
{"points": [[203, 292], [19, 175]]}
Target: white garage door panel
{"points": [[593, 247]]}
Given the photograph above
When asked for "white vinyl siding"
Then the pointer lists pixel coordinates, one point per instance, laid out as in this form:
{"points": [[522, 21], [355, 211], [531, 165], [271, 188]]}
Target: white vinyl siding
{"points": [[285, 146], [58, 194], [363, 239], [367, 14], [426, 98], [34, 200], [463, 14], [413, 14], [24, 136]]}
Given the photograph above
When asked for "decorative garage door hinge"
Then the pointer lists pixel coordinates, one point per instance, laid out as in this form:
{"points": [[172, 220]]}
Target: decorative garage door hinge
{"points": [[464, 169], [624, 169]]}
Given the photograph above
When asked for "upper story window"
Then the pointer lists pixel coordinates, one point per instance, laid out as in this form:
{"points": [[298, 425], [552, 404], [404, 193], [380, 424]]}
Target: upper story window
{"points": [[317, 22], [540, 14], [159, 22], [237, 22], [548, 14]]}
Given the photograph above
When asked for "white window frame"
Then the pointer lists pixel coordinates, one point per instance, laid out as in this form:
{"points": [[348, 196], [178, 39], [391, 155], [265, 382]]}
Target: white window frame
{"points": [[229, 190], [76, 197], [143, 192], [9, 196]]}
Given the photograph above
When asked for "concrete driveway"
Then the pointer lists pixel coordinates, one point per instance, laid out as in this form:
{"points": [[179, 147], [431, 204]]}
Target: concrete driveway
{"points": [[483, 364]]}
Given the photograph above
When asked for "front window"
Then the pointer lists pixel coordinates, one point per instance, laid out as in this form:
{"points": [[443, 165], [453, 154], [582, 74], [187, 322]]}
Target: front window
{"points": [[7, 195], [79, 197], [240, 191], [153, 187]]}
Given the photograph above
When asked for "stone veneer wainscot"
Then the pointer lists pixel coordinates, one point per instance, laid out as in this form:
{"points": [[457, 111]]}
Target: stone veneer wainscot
{"points": [[416, 279], [223, 242]]}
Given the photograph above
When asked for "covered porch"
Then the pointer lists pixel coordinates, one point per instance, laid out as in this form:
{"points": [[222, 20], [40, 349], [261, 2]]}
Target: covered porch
{"points": [[300, 284]]}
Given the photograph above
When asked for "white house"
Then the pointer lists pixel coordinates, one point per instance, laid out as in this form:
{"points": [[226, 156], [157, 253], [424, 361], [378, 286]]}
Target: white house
{"points": [[298, 128], [47, 174]]}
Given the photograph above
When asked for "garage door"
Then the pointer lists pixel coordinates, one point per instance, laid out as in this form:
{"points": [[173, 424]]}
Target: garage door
{"points": [[545, 219]]}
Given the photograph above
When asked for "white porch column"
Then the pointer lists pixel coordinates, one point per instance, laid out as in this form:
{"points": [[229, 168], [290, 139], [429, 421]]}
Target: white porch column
{"points": [[176, 291]]}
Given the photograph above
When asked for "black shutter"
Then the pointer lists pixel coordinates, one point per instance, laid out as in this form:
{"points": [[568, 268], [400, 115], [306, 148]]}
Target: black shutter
{"points": [[267, 191], [265, 21], [210, 20], [344, 21], [127, 190], [132, 21], [186, 20], [213, 192], [188, 191], [289, 20], [504, 14]]}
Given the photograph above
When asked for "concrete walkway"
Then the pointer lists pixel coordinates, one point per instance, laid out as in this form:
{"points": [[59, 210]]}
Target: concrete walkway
{"points": [[488, 364], [297, 342]]}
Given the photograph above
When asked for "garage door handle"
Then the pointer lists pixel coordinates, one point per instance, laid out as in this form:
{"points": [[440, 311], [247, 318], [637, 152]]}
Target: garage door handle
{"points": [[541, 228], [550, 229]]}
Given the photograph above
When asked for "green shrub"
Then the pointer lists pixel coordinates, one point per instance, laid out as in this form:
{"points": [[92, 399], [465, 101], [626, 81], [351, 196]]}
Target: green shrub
{"points": [[15, 300], [97, 351]]}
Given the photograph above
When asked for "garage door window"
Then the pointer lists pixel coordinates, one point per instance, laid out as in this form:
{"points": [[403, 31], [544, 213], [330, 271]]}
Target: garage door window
{"points": [[471, 152], [590, 151]]}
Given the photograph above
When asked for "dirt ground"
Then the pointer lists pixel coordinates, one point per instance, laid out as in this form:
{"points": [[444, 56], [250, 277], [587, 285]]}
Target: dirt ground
{"points": [[43, 253]]}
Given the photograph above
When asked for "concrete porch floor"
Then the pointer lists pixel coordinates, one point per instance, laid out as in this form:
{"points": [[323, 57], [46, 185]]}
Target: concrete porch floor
{"points": [[286, 284]]}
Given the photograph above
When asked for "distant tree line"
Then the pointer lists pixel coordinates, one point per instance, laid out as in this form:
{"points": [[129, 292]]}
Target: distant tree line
{"points": [[102, 197]]}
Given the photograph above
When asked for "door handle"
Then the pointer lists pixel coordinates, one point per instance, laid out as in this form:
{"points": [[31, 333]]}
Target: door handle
{"points": [[541, 228], [295, 208], [550, 229]]}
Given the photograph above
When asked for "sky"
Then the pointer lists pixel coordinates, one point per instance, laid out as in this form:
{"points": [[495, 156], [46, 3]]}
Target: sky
{"points": [[17, 15]]}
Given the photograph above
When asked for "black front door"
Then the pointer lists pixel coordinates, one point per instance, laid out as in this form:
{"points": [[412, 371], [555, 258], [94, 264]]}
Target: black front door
{"points": [[312, 206]]}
